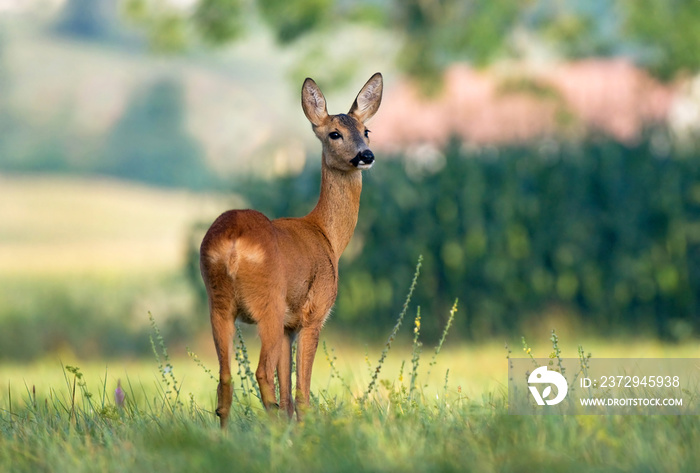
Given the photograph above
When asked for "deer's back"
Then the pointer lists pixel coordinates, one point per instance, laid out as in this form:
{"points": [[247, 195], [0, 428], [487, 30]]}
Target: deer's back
{"points": [[289, 257]]}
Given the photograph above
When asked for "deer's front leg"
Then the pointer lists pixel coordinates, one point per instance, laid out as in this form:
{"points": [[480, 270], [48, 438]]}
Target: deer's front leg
{"points": [[284, 374], [306, 351]]}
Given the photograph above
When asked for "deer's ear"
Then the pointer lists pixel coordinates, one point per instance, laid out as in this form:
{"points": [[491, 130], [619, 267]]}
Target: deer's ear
{"points": [[368, 100], [313, 102]]}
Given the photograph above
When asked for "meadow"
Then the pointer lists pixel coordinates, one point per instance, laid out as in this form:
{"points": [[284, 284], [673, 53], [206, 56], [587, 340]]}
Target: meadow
{"points": [[77, 323], [424, 413]]}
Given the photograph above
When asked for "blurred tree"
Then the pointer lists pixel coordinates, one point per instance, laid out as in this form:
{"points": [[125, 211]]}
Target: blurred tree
{"points": [[291, 19], [667, 33], [150, 143], [213, 21], [218, 21], [577, 29], [660, 35], [440, 32]]}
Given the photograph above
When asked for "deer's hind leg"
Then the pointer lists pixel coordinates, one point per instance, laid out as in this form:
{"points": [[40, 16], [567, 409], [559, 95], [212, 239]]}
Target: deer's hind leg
{"points": [[222, 311], [261, 291]]}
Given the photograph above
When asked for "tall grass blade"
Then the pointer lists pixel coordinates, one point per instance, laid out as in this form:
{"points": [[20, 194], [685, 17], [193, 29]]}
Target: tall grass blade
{"points": [[453, 311], [387, 346]]}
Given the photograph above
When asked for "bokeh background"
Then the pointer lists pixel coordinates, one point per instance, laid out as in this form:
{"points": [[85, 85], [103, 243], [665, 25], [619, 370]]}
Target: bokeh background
{"points": [[541, 155]]}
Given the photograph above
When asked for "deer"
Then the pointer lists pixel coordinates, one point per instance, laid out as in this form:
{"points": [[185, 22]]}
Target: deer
{"points": [[282, 274]]}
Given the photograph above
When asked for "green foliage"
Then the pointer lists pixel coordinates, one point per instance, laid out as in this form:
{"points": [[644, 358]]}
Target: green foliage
{"points": [[290, 19], [605, 230], [218, 20], [150, 143], [213, 21], [661, 36], [578, 29], [165, 27], [437, 33], [601, 229], [667, 32]]}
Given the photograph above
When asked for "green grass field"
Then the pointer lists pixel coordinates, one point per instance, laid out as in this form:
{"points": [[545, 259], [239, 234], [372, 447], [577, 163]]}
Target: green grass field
{"points": [[415, 409], [55, 418]]}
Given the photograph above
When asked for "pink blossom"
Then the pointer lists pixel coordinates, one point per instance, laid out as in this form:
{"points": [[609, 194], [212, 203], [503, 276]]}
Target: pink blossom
{"points": [[119, 394]]}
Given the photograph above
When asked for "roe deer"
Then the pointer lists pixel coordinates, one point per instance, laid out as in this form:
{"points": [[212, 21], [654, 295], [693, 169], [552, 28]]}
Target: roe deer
{"points": [[283, 274]]}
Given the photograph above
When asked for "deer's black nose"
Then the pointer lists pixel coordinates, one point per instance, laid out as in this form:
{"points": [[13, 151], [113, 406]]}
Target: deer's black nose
{"points": [[364, 157], [367, 156]]}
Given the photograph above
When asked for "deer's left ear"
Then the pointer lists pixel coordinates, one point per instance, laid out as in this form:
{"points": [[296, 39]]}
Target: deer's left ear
{"points": [[368, 100]]}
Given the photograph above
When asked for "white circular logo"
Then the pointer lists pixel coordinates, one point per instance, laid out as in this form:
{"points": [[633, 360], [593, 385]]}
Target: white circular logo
{"points": [[542, 376]]}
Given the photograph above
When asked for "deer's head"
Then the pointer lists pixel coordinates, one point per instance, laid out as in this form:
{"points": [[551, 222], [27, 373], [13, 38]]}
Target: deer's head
{"points": [[345, 137]]}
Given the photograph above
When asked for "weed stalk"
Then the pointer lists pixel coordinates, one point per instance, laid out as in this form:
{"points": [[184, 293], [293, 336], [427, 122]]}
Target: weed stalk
{"points": [[387, 346]]}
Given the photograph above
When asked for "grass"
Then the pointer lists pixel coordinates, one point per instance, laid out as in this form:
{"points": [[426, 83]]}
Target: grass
{"points": [[389, 416], [76, 426]]}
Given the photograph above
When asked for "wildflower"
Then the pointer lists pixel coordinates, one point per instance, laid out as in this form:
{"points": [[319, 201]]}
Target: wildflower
{"points": [[119, 394]]}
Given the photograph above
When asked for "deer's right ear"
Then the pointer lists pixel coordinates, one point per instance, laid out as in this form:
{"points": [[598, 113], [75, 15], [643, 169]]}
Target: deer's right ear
{"points": [[313, 102]]}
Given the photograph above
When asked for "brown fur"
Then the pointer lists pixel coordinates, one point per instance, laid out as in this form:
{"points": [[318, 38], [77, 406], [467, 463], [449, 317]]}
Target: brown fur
{"points": [[283, 274]]}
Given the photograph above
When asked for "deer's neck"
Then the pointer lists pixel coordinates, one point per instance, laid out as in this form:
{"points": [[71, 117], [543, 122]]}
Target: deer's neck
{"points": [[337, 207]]}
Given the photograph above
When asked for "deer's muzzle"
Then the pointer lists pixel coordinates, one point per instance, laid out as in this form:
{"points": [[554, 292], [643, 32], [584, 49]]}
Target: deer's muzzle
{"points": [[363, 159]]}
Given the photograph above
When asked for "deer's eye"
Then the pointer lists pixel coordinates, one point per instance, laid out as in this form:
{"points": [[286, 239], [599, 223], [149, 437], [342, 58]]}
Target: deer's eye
{"points": [[366, 133], [334, 135]]}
